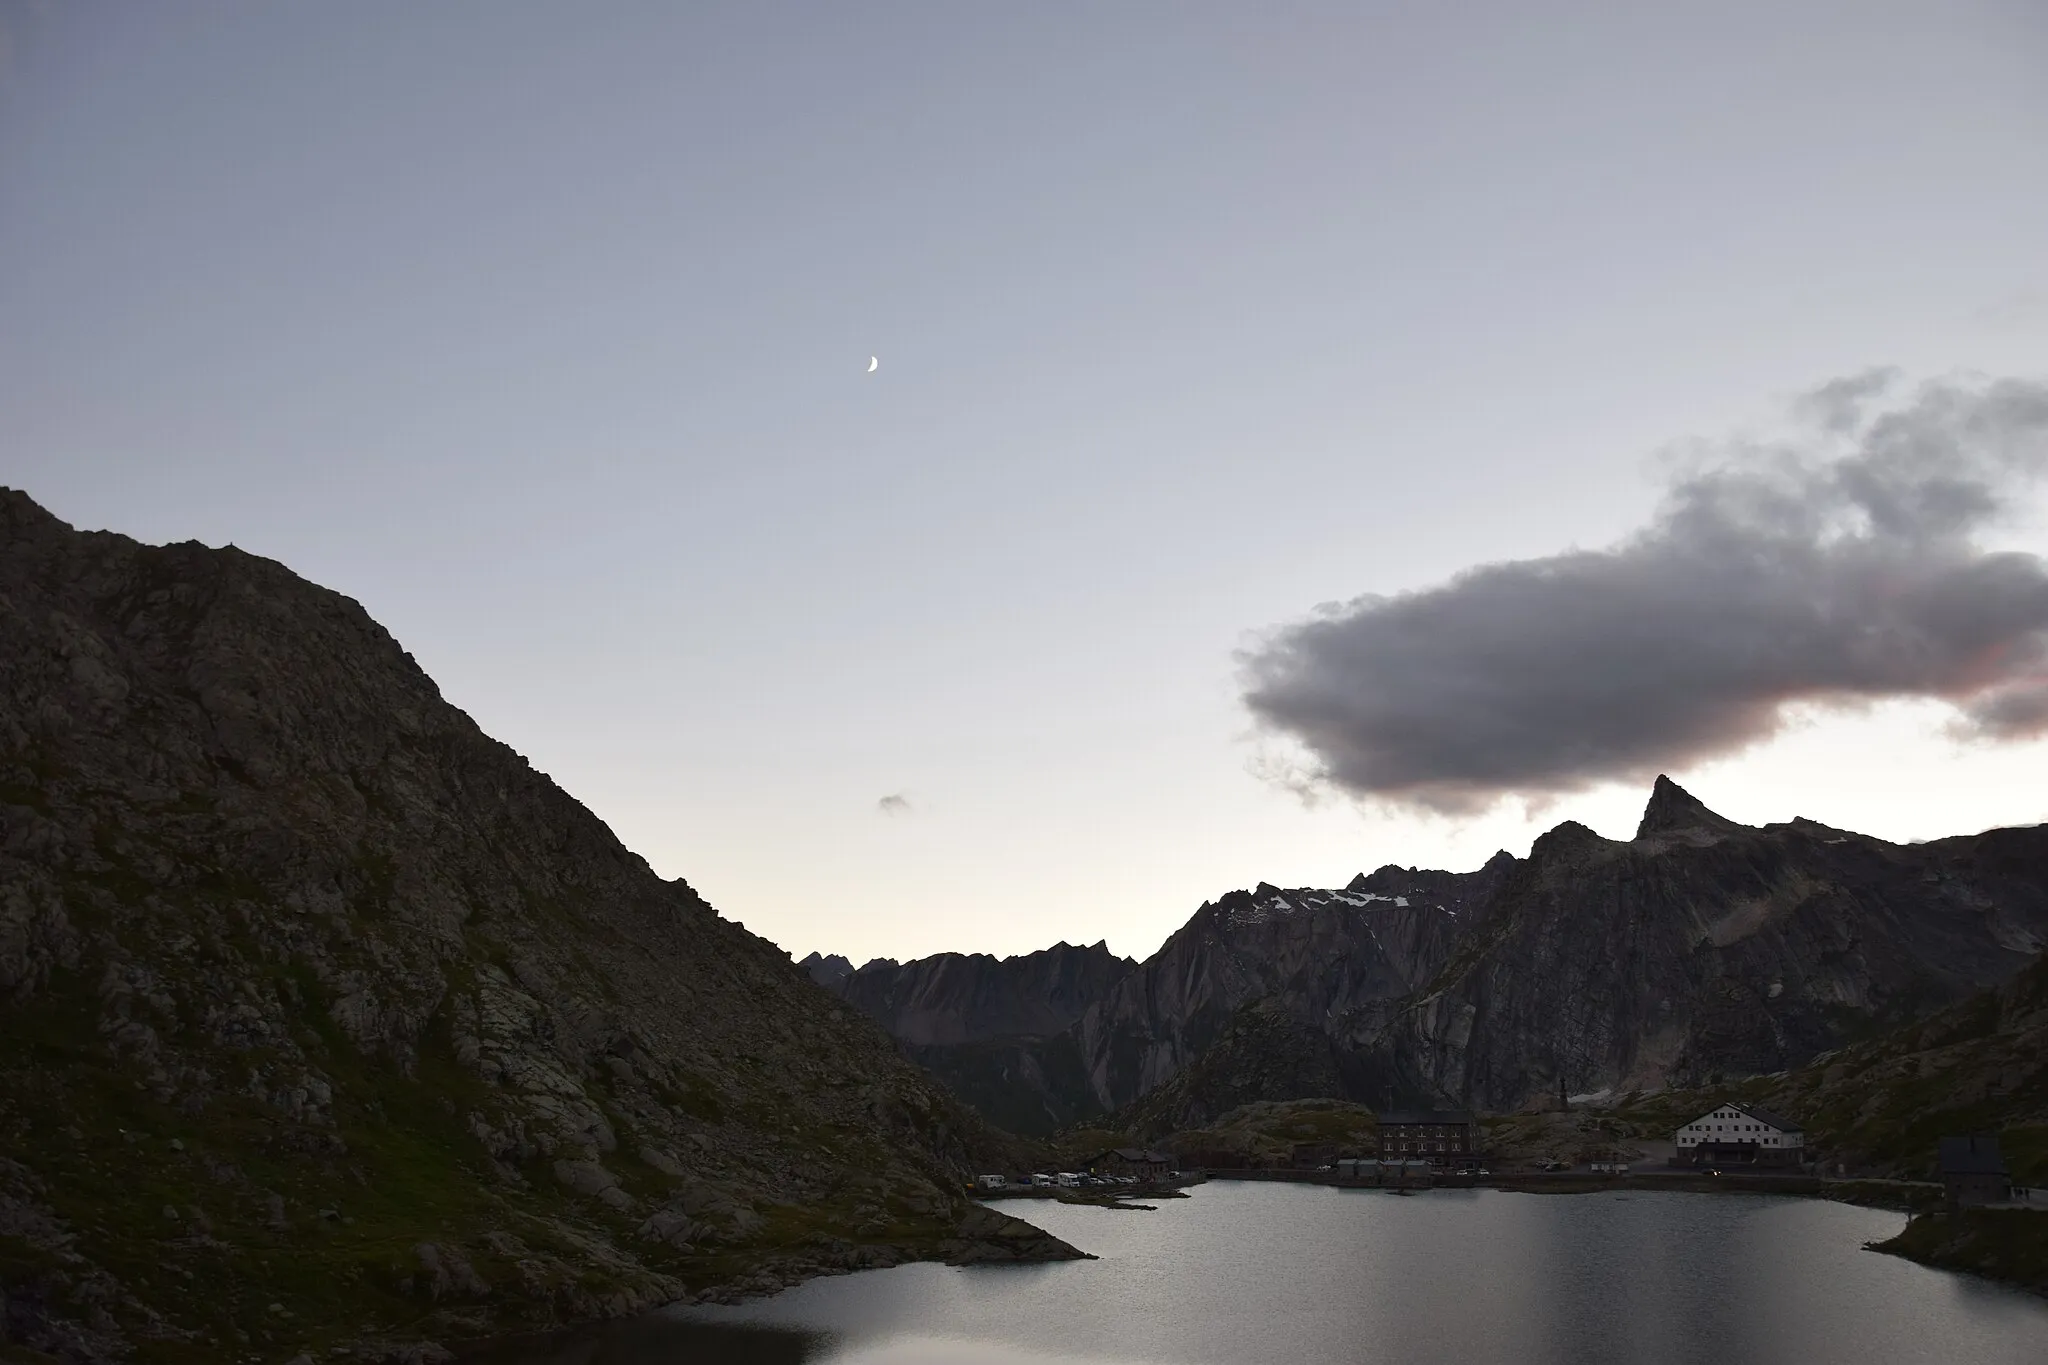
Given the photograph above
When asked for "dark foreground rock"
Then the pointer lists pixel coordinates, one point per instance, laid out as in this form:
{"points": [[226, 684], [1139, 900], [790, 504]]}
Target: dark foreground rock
{"points": [[2000, 1244], [326, 1021], [986, 1236]]}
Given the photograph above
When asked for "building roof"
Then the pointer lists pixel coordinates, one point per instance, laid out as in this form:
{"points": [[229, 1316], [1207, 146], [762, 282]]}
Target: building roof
{"points": [[1976, 1154], [1760, 1114], [1777, 1121], [1438, 1116], [1131, 1154]]}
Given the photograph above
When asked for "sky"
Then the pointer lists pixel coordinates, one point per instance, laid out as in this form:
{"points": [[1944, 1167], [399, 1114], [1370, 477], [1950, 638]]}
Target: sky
{"points": [[1273, 405]]}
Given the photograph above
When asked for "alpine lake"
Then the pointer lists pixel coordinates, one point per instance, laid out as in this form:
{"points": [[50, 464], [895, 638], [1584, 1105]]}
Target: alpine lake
{"points": [[1244, 1273]]}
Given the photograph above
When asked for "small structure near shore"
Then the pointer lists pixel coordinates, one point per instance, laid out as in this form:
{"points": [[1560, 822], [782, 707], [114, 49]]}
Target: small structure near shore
{"points": [[1138, 1162], [1973, 1172], [1413, 1174], [1309, 1156]]}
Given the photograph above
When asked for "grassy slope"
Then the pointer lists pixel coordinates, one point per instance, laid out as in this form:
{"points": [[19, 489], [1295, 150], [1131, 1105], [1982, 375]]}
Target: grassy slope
{"points": [[175, 1206], [1879, 1107]]}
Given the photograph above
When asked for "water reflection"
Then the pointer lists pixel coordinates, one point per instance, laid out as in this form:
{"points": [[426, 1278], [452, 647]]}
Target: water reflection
{"points": [[1247, 1273]]}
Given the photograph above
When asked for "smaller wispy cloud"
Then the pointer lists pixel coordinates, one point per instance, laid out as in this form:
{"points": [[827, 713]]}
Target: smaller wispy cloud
{"points": [[896, 803]]}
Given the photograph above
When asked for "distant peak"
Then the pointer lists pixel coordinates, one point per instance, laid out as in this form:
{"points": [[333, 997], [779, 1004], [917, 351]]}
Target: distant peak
{"points": [[21, 513], [1563, 839], [827, 969], [1673, 809], [1364, 880]]}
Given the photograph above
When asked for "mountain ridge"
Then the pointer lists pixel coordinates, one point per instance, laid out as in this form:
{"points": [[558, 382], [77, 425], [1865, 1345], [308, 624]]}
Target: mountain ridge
{"points": [[1698, 948]]}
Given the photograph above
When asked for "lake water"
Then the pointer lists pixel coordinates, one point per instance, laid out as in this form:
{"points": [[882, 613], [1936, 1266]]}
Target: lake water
{"points": [[1246, 1273]]}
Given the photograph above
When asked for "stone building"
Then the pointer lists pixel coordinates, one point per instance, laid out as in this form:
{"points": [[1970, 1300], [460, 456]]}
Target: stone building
{"points": [[1445, 1138], [1133, 1161], [1973, 1172]]}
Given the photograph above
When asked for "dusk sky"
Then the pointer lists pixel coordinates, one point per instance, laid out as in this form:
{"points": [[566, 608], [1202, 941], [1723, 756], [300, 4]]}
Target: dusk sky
{"points": [[1205, 333]]}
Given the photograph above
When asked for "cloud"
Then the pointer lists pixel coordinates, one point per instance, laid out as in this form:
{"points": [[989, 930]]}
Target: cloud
{"points": [[1834, 567], [896, 803]]}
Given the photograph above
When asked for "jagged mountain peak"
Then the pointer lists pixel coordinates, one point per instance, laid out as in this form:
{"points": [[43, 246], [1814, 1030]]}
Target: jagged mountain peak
{"points": [[1565, 838], [827, 969], [1672, 810], [21, 512], [1388, 871]]}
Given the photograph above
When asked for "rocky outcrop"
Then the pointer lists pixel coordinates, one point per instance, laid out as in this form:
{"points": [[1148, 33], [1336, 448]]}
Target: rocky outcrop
{"points": [[325, 1019], [2000, 1244], [827, 970]]}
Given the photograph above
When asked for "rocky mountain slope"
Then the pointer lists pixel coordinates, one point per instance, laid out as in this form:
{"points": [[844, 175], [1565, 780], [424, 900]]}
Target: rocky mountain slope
{"points": [[1316, 956], [1881, 1105], [996, 1031], [326, 1020], [1699, 950], [957, 998], [1704, 949], [1263, 1052]]}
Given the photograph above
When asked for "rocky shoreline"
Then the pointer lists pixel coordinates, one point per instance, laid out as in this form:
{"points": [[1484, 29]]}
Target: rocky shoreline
{"points": [[41, 1296], [983, 1237], [2007, 1245]]}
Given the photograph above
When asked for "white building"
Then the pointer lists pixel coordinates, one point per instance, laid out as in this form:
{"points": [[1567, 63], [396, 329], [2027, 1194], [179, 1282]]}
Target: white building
{"points": [[1741, 1133]]}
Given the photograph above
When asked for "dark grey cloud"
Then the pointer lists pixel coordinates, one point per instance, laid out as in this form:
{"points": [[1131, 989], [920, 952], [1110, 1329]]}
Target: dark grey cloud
{"points": [[1838, 565], [896, 803]]}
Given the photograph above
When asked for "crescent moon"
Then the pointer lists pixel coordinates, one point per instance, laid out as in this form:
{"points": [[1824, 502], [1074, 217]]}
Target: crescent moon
{"points": [[873, 364]]}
